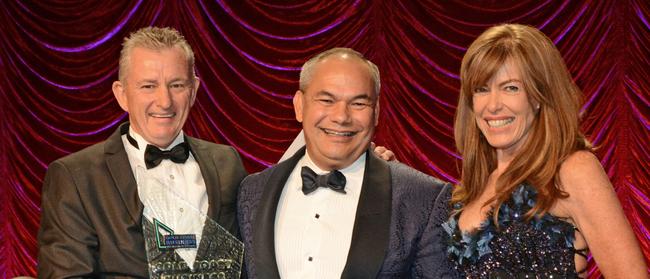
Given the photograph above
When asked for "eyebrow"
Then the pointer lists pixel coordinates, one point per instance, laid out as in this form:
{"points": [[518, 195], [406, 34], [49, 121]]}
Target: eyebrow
{"points": [[178, 79], [146, 81], [156, 81], [509, 81]]}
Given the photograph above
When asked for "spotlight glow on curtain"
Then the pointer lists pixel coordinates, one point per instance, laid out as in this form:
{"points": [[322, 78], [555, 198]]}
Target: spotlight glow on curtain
{"points": [[59, 58]]}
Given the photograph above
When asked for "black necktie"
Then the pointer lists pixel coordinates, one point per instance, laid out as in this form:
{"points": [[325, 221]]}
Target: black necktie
{"points": [[334, 180], [153, 156]]}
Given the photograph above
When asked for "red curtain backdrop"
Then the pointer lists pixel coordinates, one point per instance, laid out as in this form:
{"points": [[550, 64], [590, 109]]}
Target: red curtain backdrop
{"points": [[59, 59]]}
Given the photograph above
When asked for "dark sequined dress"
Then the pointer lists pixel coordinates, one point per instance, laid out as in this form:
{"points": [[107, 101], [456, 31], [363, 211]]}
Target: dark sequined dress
{"points": [[539, 248]]}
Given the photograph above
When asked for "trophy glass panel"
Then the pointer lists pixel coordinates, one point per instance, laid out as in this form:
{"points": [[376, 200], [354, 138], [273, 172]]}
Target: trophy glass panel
{"points": [[184, 243]]}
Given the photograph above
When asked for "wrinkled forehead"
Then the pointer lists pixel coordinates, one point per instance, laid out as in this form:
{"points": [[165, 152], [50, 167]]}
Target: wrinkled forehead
{"points": [[166, 56], [351, 69]]}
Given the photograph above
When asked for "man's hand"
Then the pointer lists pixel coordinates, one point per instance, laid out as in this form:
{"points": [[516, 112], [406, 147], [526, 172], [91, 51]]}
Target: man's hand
{"points": [[383, 152]]}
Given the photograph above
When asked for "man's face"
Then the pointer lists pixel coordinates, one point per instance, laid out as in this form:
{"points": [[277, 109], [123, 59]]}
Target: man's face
{"points": [[338, 111], [157, 92]]}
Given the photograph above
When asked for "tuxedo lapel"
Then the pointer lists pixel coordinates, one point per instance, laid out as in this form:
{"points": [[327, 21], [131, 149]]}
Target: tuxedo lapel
{"points": [[371, 230], [120, 170], [124, 178], [210, 174], [264, 236]]}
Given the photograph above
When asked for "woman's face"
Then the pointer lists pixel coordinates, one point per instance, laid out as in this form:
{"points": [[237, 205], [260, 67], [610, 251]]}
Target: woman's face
{"points": [[503, 111]]}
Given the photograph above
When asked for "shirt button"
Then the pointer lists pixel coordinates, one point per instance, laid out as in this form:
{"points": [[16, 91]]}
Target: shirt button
{"points": [[180, 209], [171, 176], [310, 259], [317, 216]]}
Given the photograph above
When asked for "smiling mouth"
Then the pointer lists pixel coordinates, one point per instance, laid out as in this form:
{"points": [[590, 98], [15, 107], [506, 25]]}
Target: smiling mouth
{"points": [[500, 122], [162, 115], [337, 133]]}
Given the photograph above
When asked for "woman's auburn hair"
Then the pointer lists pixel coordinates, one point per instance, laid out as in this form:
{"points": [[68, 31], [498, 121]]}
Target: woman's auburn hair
{"points": [[554, 133]]}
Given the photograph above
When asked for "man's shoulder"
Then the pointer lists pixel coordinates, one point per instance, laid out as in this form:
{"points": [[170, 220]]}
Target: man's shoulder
{"points": [[421, 191], [82, 165], [251, 190], [88, 156], [208, 146], [254, 184], [260, 177], [402, 175]]}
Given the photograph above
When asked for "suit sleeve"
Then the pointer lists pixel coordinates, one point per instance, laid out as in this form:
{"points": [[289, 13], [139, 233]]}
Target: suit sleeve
{"points": [[67, 240], [431, 257], [233, 173]]}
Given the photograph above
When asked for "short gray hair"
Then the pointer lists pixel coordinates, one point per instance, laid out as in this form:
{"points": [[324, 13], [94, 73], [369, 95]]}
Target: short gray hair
{"points": [[154, 38], [308, 67]]}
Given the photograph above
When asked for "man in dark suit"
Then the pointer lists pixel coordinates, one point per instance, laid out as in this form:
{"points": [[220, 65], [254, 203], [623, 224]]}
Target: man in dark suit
{"points": [[92, 208], [334, 209]]}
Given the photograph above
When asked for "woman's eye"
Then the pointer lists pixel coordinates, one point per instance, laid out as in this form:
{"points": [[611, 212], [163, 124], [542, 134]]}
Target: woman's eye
{"points": [[512, 88], [479, 90]]}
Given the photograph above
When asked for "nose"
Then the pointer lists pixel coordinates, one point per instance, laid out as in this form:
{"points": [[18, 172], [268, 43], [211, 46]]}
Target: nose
{"points": [[494, 101], [340, 113], [163, 98]]}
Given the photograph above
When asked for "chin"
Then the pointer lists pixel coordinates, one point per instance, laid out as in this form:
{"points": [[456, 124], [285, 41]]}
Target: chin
{"points": [[165, 138], [499, 145], [345, 156], [503, 145], [334, 158]]}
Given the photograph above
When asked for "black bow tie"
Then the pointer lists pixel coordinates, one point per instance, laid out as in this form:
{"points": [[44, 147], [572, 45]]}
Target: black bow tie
{"points": [[334, 180], [153, 156]]}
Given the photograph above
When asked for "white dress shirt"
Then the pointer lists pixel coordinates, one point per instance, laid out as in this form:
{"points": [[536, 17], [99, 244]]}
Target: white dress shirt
{"points": [[175, 194], [313, 232]]}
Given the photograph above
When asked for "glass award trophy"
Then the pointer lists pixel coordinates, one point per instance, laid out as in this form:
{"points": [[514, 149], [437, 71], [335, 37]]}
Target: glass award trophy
{"points": [[182, 242]]}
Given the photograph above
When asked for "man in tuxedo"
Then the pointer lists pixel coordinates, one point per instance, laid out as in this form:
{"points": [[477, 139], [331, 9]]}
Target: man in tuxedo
{"points": [[334, 209], [92, 206]]}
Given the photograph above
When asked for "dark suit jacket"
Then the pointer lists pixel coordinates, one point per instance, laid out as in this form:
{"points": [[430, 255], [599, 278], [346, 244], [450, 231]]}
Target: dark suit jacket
{"points": [[91, 222], [396, 232]]}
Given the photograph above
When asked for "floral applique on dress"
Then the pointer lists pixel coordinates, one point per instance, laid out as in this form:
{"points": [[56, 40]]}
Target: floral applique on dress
{"points": [[539, 248]]}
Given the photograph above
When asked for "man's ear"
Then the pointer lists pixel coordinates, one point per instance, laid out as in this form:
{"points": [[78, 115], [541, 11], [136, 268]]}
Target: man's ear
{"points": [[195, 88], [377, 113], [120, 95], [297, 105]]}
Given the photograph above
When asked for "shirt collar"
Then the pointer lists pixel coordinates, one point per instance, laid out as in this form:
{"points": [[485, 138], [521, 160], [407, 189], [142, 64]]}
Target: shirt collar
{"points": [[353, 173], [142, 144], [355, 166]]}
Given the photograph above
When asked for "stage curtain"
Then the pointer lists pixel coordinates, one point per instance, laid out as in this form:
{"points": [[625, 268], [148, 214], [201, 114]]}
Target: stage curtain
{"points": [[58, 60]]}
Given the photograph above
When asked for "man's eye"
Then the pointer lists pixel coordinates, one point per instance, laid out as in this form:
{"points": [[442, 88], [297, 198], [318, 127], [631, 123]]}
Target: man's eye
{"points": [[326, 101], [177, 86], [147, 86], [360, 104]]}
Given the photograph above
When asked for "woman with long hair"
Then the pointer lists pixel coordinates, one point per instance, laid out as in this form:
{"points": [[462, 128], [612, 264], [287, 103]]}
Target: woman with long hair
{"points": [[533, 199]]}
